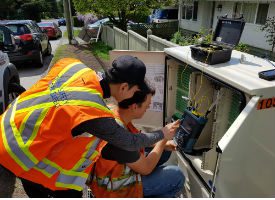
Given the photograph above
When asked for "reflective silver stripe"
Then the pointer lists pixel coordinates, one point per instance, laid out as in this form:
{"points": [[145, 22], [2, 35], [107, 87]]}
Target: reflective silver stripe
{"points": [[92, 149], [120, 123], [75, 180], [139, 177], [87, 156], [129, 176], [13, 102], [59, 80], [14, 146], [49, 169], [127, 170], [55, 84], [103, 181], [116, 184], [86, 96], [84, 165], [76, 95], [34, 101], [30, 125]]}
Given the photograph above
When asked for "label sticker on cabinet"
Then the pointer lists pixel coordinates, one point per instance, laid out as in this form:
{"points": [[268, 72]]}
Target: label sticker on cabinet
{"points": [[266, 103]]}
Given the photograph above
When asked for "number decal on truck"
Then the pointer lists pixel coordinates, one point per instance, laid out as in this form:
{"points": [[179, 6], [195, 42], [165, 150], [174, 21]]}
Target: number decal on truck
{"points": [[266, 103]]}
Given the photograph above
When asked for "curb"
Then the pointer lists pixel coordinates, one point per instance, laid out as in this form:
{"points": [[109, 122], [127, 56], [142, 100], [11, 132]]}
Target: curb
{"points": [[104, 67]]}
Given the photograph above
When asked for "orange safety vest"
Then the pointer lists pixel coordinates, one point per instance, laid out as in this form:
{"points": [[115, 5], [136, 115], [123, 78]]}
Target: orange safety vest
{"points": [[114, 180], [36, 142]]}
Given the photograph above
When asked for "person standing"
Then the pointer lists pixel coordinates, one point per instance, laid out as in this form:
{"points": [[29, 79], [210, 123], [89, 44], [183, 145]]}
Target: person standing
{"points": [[53, 133]]}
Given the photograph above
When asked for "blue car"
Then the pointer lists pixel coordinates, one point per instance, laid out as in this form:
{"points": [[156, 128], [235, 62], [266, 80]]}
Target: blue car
{"points": [[163, 15], [62, 22]]}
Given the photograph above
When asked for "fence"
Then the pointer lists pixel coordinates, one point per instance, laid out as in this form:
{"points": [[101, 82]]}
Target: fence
{"points": [[121, 39], [136, 41], [162, 30], [130, 40]]}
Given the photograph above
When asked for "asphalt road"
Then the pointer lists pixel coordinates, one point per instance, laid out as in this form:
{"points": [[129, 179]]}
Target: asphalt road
{"points": [[29, 75]]}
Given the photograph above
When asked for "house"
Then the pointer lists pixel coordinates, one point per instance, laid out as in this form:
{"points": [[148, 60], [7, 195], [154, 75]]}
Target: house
{"points": [[197, 14]]}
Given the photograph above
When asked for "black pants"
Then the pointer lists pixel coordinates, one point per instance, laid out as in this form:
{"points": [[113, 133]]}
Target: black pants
{"points": [[34, 190], [7, 183]]}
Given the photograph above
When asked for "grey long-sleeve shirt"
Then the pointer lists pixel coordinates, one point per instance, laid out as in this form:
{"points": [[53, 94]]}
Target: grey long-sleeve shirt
{"points": [[108, 130]]}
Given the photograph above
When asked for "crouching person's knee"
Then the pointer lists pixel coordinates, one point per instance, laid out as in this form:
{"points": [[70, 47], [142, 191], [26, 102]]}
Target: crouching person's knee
{"points": [[177, 176]]}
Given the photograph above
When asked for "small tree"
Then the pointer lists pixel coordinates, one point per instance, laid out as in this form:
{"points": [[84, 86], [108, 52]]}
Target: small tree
{"points": [[269, 28], [125, 10], [32, 10]]}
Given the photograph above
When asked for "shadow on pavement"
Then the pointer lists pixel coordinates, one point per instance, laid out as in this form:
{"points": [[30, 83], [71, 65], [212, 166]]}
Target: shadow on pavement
{"points": [[29, 69]]}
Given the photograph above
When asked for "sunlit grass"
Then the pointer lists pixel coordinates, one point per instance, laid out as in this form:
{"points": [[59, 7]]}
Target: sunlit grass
{"points": [[76, 32], [101, 50]]}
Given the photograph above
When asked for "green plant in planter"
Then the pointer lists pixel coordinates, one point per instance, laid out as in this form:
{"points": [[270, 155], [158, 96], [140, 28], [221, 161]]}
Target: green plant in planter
{"points": [[203, 37]]}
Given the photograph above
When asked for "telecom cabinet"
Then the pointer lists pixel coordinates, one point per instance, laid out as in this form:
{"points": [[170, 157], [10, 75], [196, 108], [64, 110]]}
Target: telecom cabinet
{"points": [[236, 147]]}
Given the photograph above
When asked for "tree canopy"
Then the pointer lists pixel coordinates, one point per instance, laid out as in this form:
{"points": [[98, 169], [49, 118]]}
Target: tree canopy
{"points": [[125, 10], [9, 8], [30, 9], [269, 28]]}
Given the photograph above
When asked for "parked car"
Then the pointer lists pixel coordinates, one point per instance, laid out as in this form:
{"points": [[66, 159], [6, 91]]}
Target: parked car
{"points": [[32, 42], [94, 27], [52, 30], [163, 15], [62, 22], [7, 41], [10, 86]]}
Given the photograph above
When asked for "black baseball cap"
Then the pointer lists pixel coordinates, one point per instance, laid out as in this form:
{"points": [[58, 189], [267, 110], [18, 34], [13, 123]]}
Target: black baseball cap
{"points": [[128, 69]]}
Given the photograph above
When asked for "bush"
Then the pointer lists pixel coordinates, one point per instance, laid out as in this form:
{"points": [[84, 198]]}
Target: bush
{"points": [[32, 11], [77, 23], [177, 37], [139, 17], [88, 18], [242, 47], [101, 50]]}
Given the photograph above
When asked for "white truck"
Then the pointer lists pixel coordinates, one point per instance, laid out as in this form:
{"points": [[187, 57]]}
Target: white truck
{"points": [[10, 88], [237, 148]]}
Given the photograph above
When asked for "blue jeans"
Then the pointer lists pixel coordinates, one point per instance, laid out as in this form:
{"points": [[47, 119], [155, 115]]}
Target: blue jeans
{"points": [[163, 182], [164, 156]]}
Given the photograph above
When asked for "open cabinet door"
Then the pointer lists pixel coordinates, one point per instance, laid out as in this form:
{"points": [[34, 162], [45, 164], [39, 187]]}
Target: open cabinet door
{"points": [[155, 63], [248, 154]]}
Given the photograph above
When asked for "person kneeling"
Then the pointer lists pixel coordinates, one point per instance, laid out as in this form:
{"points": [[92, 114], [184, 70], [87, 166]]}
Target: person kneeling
{"points": [[143, 177]]}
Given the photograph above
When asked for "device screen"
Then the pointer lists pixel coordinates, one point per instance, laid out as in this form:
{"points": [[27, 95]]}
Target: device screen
{"points": [[189, 123], [269, 72]]}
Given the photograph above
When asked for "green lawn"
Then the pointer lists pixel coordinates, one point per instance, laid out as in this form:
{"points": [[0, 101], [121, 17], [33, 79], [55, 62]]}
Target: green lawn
{"points": [[62, 52], [101, 50], [76, 32]]}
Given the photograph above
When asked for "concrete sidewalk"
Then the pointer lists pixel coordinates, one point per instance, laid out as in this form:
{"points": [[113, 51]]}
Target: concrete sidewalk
{"points": [[81, 51]]}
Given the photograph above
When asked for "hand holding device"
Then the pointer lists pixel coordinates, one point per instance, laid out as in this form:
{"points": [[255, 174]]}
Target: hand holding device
{"points": [[170, 129]]}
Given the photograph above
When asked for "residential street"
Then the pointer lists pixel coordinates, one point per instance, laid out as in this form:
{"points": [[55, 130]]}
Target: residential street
{"points": [[29, 74]]}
